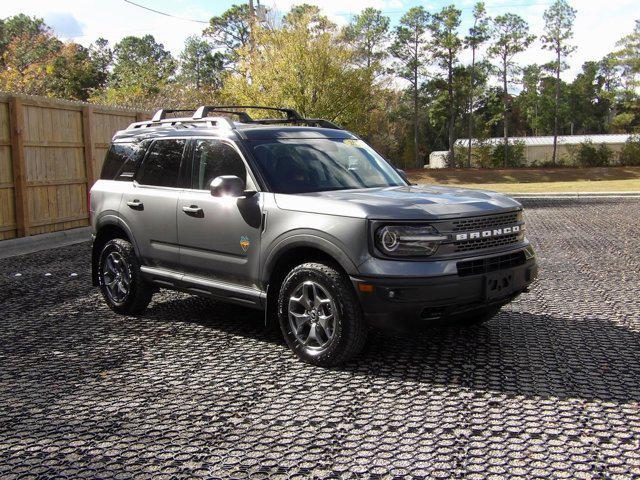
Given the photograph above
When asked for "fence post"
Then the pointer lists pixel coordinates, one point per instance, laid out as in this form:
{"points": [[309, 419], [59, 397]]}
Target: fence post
{"points": [[16, 127], [87, 137]]}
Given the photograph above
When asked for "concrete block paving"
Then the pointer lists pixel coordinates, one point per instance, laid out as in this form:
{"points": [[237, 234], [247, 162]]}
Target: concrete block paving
{"points": [[550, 388]]}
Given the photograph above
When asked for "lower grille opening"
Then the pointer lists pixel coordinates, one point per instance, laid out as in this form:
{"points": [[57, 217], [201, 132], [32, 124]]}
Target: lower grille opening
{"points": [[491, 264]]}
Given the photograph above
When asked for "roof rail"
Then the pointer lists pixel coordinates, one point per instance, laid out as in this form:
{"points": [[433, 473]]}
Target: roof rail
{"points": [[312, 122], [204, 110], [201, 115]]}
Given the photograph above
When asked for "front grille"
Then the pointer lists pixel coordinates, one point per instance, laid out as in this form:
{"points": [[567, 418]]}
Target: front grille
{"points": [[485, 223], [490, 242], [491, 264]]}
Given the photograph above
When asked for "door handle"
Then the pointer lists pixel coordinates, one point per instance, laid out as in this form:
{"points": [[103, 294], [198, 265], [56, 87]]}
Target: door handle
{"points": [[136, 205], [194, 211]]}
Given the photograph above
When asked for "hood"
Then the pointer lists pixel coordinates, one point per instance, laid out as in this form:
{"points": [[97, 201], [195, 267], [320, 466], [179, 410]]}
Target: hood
{"points": [[401, 203]]}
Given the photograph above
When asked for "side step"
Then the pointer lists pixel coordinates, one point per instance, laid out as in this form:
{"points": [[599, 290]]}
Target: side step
{"points": [[228, 292]]}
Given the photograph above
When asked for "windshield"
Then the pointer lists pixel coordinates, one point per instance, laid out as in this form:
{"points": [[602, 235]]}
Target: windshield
{"points": [[316, 165]]}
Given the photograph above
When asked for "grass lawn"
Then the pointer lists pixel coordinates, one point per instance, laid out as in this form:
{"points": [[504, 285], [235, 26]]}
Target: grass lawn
{"points": [[529, 180]]}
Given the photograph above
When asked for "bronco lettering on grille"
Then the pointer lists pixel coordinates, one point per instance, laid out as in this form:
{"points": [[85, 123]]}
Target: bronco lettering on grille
{"points": [[496, 232]]}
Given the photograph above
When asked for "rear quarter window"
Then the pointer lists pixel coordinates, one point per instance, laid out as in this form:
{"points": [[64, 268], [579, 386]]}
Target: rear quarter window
{"points": [[120, 162]]}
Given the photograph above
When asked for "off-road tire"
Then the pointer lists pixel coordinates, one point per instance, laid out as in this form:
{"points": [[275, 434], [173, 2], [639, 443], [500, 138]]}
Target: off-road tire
{"points": [[140, 291], [350, 331]]}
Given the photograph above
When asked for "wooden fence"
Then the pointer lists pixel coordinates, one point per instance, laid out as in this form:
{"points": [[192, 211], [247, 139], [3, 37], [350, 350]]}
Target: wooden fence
{"points": [[51, 152]]}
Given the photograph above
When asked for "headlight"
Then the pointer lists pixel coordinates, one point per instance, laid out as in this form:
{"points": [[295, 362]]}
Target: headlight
{"points": [[408, 240]]}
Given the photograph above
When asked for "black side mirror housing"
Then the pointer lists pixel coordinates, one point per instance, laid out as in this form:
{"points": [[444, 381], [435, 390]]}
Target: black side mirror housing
{"points": [[227, 186]]}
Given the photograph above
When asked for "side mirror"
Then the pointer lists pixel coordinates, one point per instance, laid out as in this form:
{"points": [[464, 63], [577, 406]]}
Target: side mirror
{"points": [[227, 186]]}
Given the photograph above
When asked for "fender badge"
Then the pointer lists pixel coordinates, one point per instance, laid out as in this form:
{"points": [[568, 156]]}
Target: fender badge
{"points": [[244, 243]]}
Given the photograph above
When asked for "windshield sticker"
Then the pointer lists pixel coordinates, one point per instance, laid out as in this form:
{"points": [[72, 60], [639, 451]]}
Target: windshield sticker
{"points": [[353, 142]]}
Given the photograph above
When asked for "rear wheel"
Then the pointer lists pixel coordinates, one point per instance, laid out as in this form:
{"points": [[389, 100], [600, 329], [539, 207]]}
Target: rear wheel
{"points": [[120, 279], [320, 316]]}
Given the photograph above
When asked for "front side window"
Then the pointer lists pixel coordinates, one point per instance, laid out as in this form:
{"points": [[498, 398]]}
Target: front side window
{"points": [[161, 166], [315, 165], [213, 158]]}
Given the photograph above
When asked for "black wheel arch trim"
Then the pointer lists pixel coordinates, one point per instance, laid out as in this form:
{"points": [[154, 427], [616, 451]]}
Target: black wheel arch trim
{"points": [[109, 220], [310, 239]]}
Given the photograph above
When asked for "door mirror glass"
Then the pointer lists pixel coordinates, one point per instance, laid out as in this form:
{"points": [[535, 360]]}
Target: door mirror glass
{"points": [[227, 186]]}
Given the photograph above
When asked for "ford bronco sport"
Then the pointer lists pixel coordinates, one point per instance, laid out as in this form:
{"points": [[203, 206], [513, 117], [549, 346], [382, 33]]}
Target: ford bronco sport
{"points": [[301, 219]]}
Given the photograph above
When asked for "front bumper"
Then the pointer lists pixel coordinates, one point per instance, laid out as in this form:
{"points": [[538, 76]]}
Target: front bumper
{"points": [[391, 301]]}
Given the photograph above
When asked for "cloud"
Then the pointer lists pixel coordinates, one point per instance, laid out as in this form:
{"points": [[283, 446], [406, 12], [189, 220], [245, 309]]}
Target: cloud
{"points": [[64, 24]]}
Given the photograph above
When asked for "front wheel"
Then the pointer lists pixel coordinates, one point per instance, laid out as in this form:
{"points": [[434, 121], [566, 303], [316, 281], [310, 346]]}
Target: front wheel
{"points": [[121, 282], [320, 315]]}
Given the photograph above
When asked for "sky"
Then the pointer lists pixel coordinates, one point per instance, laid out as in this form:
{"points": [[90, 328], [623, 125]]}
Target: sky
{"points": [[598, 24]]}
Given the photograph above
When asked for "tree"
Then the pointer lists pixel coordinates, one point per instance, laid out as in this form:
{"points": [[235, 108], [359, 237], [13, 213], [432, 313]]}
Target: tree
{"points": [[558, 30], [409, 48], [142, 67], [200, 66], [102, 57], [445, 48], [588, 101], [308, 17], [628, 56], [626, 62], [25, 62], [511, 36], [299, 67], [231, 32], [368, 33], [478, 35], [21, 26], [72, 74], [530, 97], [27, 47]]}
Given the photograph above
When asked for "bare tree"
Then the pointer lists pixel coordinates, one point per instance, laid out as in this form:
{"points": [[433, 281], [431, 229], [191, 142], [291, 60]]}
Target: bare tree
{"points": [[510, 33], [409, 48], [446, 46], [558, 30], [478, 34]]}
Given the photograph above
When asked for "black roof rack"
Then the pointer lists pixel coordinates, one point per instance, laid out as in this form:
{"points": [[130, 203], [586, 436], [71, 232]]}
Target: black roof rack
{"points": [[312, 122], [292, 116], [204, 110]]}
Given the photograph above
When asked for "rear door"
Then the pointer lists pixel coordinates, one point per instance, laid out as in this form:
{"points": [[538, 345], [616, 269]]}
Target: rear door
{"points": [[148, 206], [219, 236]]}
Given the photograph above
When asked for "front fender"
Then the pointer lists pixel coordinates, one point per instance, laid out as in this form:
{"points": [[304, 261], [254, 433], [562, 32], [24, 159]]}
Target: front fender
{"points": [[307, 238]]}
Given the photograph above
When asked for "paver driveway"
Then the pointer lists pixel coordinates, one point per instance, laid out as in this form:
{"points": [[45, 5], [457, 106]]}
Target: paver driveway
{"points": [[549, 388]]}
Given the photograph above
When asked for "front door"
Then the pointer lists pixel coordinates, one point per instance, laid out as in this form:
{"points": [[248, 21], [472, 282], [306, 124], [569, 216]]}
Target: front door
{"points": [[149, 205], [219, 237]]}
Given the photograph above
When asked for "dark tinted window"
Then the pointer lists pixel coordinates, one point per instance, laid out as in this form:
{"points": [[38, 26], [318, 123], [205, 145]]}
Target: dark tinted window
{"points": [[213, 158], [120, 162], [162, 164], [315, 165]]}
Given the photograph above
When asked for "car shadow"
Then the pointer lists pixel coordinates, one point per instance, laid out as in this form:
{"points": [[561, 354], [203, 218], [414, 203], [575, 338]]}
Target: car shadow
{"points": [[516, 353]]}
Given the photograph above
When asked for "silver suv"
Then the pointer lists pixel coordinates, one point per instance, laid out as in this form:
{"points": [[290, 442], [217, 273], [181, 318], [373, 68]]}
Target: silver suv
{"points": [[301, 219]]}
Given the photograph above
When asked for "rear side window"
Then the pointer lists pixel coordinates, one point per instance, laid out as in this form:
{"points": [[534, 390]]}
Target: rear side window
{"points": [[119, 164], [161, 166], [213, 158]]}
